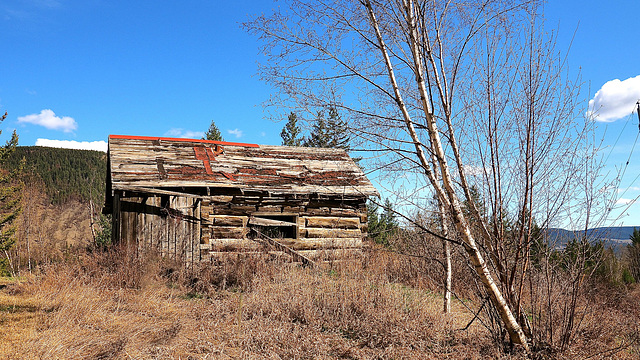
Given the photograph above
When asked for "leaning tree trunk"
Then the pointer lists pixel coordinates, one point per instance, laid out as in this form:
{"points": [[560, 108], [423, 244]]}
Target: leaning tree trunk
{"points": [[444, 190]]}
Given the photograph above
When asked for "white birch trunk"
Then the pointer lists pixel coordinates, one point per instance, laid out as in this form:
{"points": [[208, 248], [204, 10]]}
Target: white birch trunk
{"points": [[446, 192]]}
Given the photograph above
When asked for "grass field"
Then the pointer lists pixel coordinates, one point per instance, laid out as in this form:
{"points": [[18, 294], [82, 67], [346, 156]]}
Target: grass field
{"points": [[104, 306]]}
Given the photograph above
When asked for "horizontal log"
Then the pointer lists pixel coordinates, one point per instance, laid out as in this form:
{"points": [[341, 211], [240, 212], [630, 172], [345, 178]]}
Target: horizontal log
{"points": [[299, 244], [332, 222], [228, 220], [270, 208], [322, 243], [254, 220], [235, 245], [234, 210], [227, 232], [316, 255], [221, 199], [344, 212], [331, 233], [151, 190], [337, 202], [325, 255], [317, 211], [214, 255]]}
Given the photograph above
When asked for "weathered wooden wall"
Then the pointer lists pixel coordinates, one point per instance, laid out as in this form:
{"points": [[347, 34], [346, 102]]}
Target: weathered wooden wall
{"points": [[325, 227], [169, 225], [194, 229]]}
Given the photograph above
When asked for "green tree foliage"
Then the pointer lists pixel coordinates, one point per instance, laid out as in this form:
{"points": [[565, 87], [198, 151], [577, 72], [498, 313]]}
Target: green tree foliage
{"points": [[633, 257], [10, 196], [328, 132], [103, 236], [66, 173], [382, 225], [582, 254], [291, 133], [213, 133]]}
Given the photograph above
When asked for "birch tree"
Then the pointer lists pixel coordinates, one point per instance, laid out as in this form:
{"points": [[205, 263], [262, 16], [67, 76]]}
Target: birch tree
{"points": [[448, 95]]}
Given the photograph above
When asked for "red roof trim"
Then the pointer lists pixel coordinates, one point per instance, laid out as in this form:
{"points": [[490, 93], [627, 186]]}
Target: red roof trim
{"points": [[131, 137]]}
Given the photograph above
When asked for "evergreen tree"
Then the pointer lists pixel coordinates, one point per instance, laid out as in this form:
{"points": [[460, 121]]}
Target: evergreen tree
{"points": [[635, 237], [328, 132], [320, 133], [339, 137], [633, 255], [213, 133], [382, 226], [10, 192], [291, 132]]}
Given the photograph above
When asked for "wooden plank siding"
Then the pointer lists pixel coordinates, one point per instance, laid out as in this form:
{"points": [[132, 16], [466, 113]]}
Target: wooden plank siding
{"points": [[194, 200]]}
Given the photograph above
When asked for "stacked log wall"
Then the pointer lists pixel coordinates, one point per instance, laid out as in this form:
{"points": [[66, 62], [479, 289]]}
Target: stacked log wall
{"points": [[326, 227], [194, 229]]}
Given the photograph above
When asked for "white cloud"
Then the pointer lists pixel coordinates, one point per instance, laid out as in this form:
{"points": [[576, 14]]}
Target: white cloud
{"points": [[71, 144], [48, 119], [623, 201], [616, 99], [237, 132], [185, 134], [630, 188]]}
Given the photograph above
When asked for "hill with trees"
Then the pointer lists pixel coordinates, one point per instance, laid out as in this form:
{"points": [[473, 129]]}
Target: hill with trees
{"points": [[67, 174]]}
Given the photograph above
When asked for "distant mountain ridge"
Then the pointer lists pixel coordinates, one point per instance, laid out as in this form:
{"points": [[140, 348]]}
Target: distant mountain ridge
{"points": [[615, 237]]}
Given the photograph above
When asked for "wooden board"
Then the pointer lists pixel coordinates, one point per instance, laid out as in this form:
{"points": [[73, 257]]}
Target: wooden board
{"points": [[228, 220], [332, 233], [295, 244], [332, 222], [254, 220]]}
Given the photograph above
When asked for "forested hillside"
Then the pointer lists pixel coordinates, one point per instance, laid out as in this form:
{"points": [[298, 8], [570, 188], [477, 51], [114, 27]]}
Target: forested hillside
{"points": [[67, 174]]}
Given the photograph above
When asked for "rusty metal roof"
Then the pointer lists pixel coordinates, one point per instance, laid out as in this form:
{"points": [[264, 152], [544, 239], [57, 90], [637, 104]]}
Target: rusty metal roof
{"points": [[158, 162]]}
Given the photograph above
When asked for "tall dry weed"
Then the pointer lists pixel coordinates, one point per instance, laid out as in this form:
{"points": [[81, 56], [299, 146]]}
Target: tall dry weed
{"points": [[123, 305]]}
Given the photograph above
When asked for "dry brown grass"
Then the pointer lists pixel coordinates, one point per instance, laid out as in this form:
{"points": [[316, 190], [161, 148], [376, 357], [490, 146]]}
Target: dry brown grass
{"points": [[105, 306]]}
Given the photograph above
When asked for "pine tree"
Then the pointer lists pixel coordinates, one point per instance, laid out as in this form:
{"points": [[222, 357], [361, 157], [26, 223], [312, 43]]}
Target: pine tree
{"points": [[382, 226], [213, 133], [338, 130], [9, 202], [320, 134], [291, 132], [328, 132], [633, 254]]}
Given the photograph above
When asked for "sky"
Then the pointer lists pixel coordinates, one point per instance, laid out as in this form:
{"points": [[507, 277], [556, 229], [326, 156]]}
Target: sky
{"points": [[74, 71]]}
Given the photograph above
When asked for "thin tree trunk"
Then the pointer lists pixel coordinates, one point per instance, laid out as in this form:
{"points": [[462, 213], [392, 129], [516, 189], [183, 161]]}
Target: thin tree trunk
{"points": [[447, 191], [448, 274]]}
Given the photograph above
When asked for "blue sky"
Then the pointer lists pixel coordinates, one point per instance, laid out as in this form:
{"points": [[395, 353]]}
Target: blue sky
{"points": [[74, 70]]}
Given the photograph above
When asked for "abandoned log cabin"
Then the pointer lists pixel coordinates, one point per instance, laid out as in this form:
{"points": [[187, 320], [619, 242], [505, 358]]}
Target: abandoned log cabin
{"points": [[199, 199]]}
